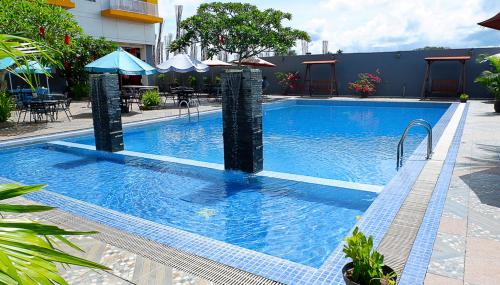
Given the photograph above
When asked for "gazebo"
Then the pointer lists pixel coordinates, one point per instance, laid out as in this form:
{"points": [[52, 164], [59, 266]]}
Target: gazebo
{"points": [[329, 85], [443, 86]]}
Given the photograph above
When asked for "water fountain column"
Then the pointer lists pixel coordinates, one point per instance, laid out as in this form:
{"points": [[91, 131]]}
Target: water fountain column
{"points": [[106, 112], [242, 119]]}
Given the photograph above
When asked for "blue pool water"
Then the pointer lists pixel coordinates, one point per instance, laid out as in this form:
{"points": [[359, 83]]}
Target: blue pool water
{"points": [[297, 221], [348, 141]]}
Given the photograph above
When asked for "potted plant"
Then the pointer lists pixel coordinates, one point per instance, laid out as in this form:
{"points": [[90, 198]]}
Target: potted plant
{"points": [[464, 97], [366, 84], [192, 81], [491, 78], [367, 266], [150, 100], [287, 80]]}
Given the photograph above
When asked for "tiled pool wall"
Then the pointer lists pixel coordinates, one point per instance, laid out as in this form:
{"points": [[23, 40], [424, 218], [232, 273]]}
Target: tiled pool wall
{"points": [[416, 266], [375, 221]]}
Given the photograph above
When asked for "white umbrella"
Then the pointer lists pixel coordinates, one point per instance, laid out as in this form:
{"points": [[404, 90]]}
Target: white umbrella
{"points": [[216, 63], [182, 63]]}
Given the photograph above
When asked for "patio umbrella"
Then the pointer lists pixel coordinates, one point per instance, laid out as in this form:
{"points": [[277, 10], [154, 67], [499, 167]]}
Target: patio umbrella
{"points": [[4, 64], [493, 22], [216, 63], [120, 62], [256, 62], [182, 63], [34, 67]]}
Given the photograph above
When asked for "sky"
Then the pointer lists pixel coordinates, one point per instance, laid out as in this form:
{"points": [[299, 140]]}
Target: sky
{"points": [[375, 25]]}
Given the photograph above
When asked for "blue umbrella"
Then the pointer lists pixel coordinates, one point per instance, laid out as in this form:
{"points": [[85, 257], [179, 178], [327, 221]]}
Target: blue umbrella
{"points": [[120, 62], [33, 67], [5, 63]]}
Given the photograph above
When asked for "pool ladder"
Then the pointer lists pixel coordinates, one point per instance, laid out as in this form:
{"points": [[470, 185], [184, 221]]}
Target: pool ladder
{"points": [[188, 104], [417, 122]]}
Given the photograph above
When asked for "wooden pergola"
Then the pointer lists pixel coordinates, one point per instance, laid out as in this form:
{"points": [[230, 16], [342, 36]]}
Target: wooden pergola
{"points": [[329, 85], [448, 86]]}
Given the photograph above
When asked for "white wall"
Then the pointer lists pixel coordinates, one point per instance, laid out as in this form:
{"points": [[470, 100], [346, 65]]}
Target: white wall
{"points": [[88, 15]]}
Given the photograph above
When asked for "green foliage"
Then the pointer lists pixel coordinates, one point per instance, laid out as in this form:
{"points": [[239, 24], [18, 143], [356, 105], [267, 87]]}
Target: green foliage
{"points": [[431, 48], [367, 262], [85, 50], [192, 81], [490, 78], [80, 90], [238, 28], [151, 98], [26, 17], [29, 250], [16, 48], [6, 106], [464, 97]]}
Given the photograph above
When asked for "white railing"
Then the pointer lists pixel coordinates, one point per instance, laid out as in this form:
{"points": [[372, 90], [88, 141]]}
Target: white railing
{"points": [[134, 6]]}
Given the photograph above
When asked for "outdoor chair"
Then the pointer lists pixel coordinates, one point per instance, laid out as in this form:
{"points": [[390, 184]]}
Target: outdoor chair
{"points": [[40, 110]]}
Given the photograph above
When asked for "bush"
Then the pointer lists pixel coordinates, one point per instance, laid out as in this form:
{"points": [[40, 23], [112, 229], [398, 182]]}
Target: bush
{"points": [[80, 91], [151, 98], [192, 81], [6, 106], [464, 97]]}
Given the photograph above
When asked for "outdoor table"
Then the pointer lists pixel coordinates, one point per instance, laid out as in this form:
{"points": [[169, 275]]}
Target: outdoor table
{"points": [[48, 106], [183, 94]]}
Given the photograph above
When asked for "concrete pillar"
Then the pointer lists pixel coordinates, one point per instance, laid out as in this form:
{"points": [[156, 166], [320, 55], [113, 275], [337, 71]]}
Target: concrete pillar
{"points": [[242, 119], [106, 112]]}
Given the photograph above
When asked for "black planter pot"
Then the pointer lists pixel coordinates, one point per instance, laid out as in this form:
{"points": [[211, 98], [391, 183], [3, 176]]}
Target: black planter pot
{"points": [[497, 106], [386, 269]]}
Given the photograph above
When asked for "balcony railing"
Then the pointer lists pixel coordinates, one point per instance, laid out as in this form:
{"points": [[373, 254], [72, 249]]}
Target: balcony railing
{"points": [[134, 6]]}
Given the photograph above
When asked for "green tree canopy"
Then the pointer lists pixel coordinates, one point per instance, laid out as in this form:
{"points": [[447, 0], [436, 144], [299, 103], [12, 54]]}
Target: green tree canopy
{"points": [[49, 24], [238, 28]]}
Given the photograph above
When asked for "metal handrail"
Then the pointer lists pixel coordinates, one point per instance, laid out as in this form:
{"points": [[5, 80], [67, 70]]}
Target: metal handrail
{"points": [[417, 122], [188, 104]]}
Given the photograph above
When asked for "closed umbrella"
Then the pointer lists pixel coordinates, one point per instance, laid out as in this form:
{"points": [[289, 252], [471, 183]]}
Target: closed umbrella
{"points": [[182, 63], [120, 62]]}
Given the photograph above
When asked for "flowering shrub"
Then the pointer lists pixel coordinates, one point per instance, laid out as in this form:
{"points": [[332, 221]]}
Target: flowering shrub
{"points": [[287, 80], [366, 83]]}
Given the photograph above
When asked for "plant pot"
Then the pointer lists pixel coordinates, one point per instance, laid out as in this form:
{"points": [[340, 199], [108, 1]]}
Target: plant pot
{"points": [[386, 269], [463, 101], [497, 106]]}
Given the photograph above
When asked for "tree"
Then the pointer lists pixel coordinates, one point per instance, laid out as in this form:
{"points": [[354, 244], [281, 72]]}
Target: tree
{"points": [[238, 28], [50, 24], [431, 48]]}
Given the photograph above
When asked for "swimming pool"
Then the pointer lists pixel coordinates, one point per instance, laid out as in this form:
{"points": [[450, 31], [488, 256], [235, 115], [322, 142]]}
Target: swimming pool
{"points": [[341, 140], [302, 222]]}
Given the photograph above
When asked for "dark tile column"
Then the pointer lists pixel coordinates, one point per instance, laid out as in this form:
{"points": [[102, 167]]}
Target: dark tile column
{"points": [[242, 119], [106, 112]]}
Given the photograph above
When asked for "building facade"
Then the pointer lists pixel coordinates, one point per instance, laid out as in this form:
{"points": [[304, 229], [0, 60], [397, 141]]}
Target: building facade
{"points": [[130, 23]]}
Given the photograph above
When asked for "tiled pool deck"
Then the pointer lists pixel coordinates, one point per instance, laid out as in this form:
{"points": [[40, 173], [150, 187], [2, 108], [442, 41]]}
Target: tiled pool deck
{"points": [[467, 247], [376, 222]]}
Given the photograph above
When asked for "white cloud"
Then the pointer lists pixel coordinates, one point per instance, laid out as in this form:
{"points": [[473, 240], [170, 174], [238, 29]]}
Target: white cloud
{"points": [[372, 25]]}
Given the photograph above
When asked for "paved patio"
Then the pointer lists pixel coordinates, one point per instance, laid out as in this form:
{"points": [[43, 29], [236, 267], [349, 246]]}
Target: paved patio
{"points": [[467, 247]]}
